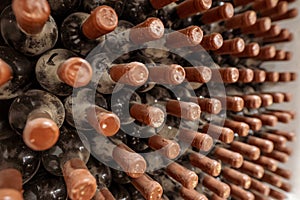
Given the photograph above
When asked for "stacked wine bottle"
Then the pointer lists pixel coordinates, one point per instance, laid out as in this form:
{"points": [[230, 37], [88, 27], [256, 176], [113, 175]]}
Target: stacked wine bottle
{"points": [[152, 99]]}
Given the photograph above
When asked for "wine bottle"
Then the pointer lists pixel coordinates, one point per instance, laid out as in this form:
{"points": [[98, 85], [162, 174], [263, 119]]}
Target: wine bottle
{"points": [[259, 187], [87, 110], [252, 169], [280, 8], [60, 70], [37, 116], [267, 163], [11, 184], [68, 158], [62, 8], [117, 5], [16, 72], [291, 13], [120, 192], [239, 193], [82, 32], [235, 177], [35, 31]]}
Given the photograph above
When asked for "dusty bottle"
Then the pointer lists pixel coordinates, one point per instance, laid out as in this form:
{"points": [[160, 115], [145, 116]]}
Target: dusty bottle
{"points": [[35, 31]]}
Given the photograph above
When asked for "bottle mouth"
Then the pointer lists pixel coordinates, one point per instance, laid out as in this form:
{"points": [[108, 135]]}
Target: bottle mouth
{"points": [[5, 72]]}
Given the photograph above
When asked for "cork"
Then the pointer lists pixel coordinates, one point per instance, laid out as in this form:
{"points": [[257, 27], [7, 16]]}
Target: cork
{"points": [[219, 188], [284, 76], [277, 155], [272, 77], [272, 32], [148, 115], [252, 101], [285, 173], [261, 25], [288, 56], [245, 75], [212, 42], [223, 134], [31, 16], [241, 2], [232, 103], [278, 97], [229, 157], [133, 164], [289, 135], [151, 29], [254, 123], [225, 75], [236, 177], [251, 50], [272, 179], [149, 188], [198, 140], [191, 7], [284, 35], [249, 151], [10, 180], [276, 139], [103, 20], [241, 128], [268, 163], [231, 46], [169, 148], [103, 121], [209, 105], [213, 196], [218, 13], [40, 134], [293, 76], [266, 53], [285, 186], [291, 13], [167, 74], [259, 196], [280, 55], [207, 165], [266, 99], [239, 193], [244, 19], [264, 145], [281, 116], [285, 149], [133, 74], [79, 181], [10, 194], [106, 194], [259, 76], [279, 9], [158, 4], [259, 187], [277, 195], [75, 72], [290, 112], [268, 120], [189, 194], [252, 169], [199, 74], [190, 36], [185, 110], [6, 73], [186, 177], [264, 4]]}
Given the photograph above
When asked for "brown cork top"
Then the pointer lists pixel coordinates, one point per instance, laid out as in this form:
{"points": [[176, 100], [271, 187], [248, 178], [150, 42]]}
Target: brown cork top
{"points": [[272, 179], [284, 35], [266, 99], [107, 195], [167, 74], [232, 158], [247, 150], [290, 136], [223, 134], [272, 32], [264, 4], [266, 53], [149, 115], [11, 179], [272, 77], [151, 29], [219, 13], [236, 177], [285, 186], [40, 134], [227, 75], [266, 119], [103, 121], [259, 76], [252, 169], [169, 148], [198, 140], [189, 194], [207, 165], [133, 164], [261, 25], [281, 116], [31, 15], [219, 188], [279, 156], [158, 4], [212, 42], [260, 187], [267, 163], [209, 105], [231, 46], [241, 2], [277, 195], [239, 193], [254, 123], [80, 183], [245, 75], [284, 76], [288, 15], [251, 50], [103, 19], [134, 73], [75, 72], [293, 76], [245, 19], [186, 110], [186, 177], [6, 73], [278, 97], [241, 128], [285, 173], [191, 7], [252, 101], [190, 36], [232, 103], [149, 188], [200, 74], [280, 8], [266, 146], [10, 194], [276, 139], [285, 149]]}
